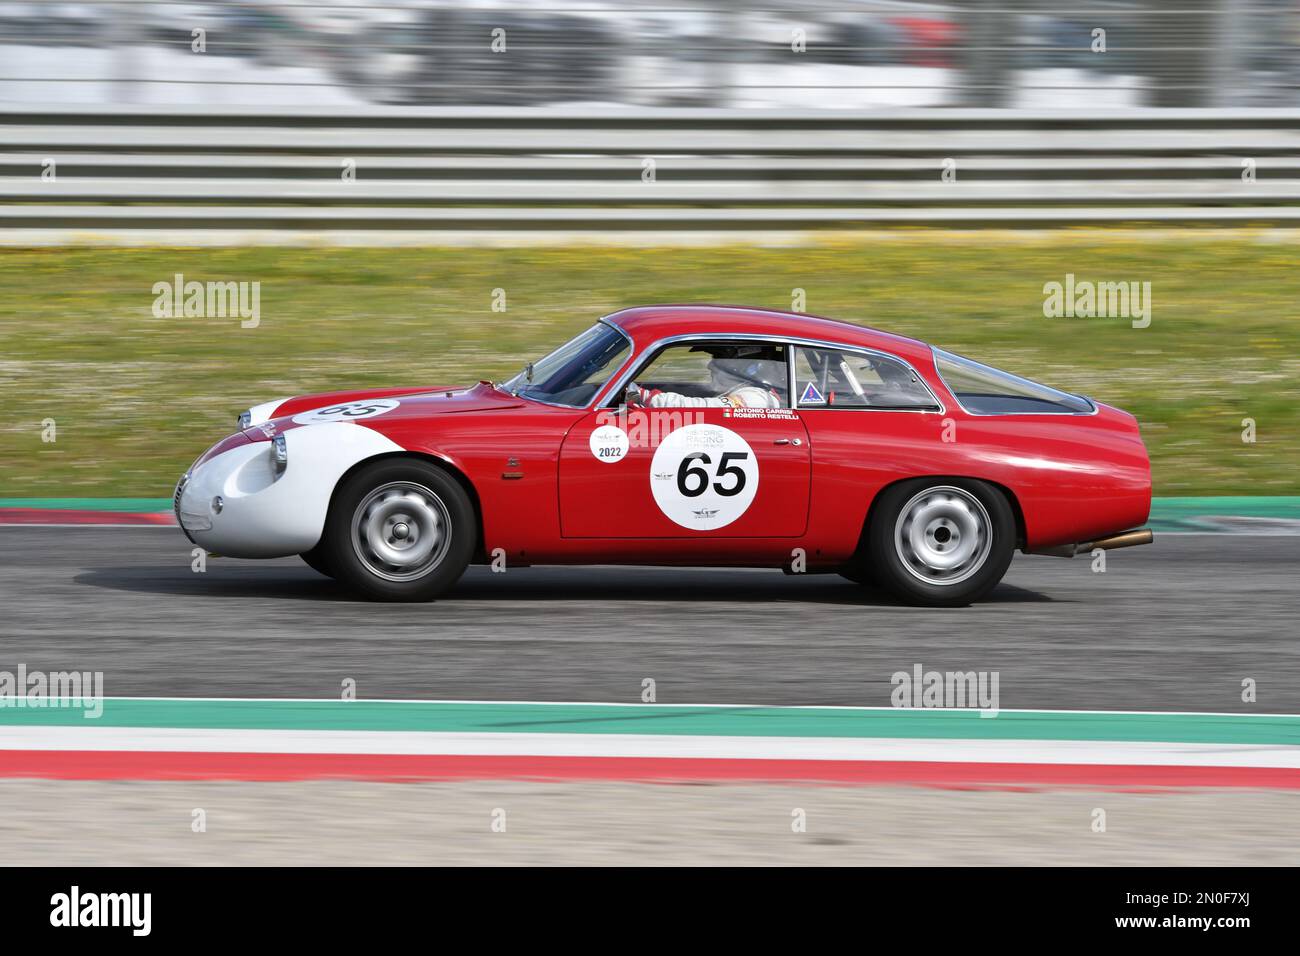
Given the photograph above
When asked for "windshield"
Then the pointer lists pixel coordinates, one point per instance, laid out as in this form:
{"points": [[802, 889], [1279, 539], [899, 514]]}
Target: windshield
{"points": [[576, 371]]}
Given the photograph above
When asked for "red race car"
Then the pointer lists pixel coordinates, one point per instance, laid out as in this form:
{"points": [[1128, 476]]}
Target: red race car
{"points": [[684, 435]]}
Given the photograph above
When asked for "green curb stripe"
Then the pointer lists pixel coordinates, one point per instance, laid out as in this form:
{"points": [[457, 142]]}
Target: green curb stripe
{"points": [[1191, 514], [1262, 506], [651, 719], [133, 505]]}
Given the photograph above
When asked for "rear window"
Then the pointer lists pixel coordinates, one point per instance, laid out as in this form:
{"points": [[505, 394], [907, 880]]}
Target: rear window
{"points": [[984, 390]]}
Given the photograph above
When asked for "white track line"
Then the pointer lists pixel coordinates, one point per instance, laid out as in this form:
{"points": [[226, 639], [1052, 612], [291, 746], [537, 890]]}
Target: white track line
{"points": [[1136, 753], [748, 706]]}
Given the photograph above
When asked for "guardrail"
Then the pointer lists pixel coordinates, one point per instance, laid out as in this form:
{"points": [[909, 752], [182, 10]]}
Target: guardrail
{"points": [[141, 170]]}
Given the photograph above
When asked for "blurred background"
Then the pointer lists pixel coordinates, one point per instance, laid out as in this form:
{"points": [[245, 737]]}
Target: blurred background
{"points": [[818, 54], [380, 166]]}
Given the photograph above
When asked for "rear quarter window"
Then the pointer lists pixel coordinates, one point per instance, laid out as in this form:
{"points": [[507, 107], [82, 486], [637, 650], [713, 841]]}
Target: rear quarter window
{"points": [[984, 390]]}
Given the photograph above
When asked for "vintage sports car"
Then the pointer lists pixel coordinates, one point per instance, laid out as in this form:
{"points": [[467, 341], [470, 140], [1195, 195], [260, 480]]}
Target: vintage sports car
{"points": [[683, 435]]}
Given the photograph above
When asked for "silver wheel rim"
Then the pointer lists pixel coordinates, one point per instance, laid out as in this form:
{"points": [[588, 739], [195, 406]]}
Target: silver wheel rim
{"points": [[943, 535], [401, 531]]}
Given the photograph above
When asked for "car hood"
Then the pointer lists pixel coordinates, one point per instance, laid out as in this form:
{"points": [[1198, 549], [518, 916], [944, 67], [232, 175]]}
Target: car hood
{"points": [[393, 404], [480, 397]]}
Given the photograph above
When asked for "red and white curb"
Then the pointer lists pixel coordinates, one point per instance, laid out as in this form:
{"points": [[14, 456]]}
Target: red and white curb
{"points": [[842, 746]]}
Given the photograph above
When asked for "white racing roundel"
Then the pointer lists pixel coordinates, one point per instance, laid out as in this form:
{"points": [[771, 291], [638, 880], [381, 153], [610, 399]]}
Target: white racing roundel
{"points": [[609, 443], [347, 411], [704, 477]]}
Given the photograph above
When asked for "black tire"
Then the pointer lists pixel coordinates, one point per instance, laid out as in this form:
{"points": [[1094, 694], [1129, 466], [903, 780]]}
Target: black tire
{"points": [[317, 560], [977, 521], [364, 540]]}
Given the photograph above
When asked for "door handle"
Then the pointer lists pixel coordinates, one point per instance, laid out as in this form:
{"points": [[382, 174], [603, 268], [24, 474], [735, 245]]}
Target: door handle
{"points": [[788, 441]]}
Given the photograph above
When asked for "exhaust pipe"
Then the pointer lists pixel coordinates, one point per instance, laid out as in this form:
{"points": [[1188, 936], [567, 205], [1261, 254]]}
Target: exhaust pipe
{"points": [[1129, 539]]}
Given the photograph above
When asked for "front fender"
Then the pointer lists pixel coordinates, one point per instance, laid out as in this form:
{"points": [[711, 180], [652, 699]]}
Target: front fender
{"points": [[265, 515]]}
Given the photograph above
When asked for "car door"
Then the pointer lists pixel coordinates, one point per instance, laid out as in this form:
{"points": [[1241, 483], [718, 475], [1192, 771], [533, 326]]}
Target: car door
{"points": [[686, 472], [871, 420]]}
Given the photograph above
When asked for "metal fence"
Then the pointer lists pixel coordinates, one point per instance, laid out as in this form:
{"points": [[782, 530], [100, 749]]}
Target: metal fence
{"points": [[461, 169]]}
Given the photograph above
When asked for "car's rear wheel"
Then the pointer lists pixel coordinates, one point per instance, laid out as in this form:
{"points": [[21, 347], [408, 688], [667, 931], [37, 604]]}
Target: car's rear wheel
{"points": [[400, 530], [317, 560], [941, 542]]}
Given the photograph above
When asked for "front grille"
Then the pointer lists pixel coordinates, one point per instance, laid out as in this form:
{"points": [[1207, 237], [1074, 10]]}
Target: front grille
{"points": [[176, 504]]}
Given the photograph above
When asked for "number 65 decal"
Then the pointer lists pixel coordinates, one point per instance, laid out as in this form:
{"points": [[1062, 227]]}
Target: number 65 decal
{"points": [[703, 477], [688, 470], [347, 411]]}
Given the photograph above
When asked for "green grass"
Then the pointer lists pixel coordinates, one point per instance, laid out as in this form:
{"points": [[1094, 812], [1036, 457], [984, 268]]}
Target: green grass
{"points": [[136, 398]]}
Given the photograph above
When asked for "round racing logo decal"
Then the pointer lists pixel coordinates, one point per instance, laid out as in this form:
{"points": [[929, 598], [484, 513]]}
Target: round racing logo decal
{"points": [[609, 443], [347, 411], [704, 477]]}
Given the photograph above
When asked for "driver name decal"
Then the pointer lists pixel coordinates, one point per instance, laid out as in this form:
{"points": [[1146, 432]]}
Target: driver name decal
{"points": [[782, 414], [347, 411], [704, 477]]}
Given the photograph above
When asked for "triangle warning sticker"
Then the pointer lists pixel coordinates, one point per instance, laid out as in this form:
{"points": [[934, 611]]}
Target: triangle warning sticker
{"points": [[811, 396]]}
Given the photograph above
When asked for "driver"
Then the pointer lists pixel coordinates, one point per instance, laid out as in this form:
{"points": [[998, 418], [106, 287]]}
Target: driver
{"points": [[736, 382]]}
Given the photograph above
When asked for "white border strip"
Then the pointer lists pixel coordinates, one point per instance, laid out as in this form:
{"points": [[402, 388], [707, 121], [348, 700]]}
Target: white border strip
{"points": [[1128, 753], [637, 704]]}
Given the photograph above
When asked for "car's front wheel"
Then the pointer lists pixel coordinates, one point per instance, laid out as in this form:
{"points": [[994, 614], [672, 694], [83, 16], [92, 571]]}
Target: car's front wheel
{"points": [[400, 530], [941, 542]]}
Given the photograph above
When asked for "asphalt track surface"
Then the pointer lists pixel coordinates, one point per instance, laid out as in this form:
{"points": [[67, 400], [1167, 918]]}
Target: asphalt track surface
{"points": [[1174, 626]]}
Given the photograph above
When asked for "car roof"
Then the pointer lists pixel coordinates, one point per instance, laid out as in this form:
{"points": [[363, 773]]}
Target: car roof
{"points": [[651, 323]]}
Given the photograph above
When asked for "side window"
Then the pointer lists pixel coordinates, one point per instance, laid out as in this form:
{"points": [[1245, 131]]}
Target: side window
{"points": [[680, 368], [828, 378], [712, 370]]}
